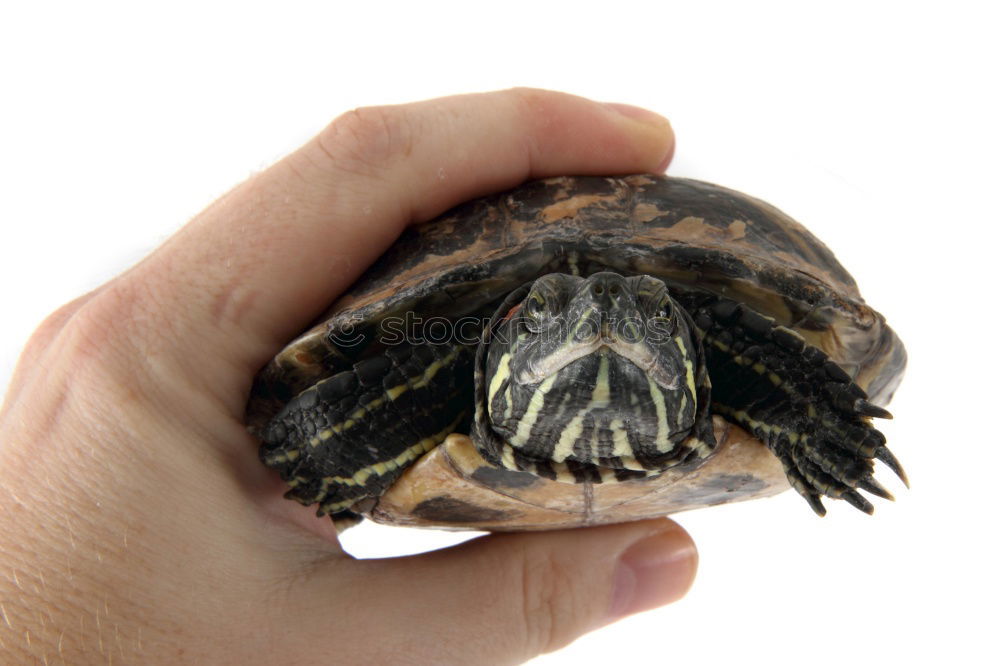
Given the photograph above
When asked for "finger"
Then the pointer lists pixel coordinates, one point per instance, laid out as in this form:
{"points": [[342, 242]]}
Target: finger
{"points": [[507, 598], [260, 263]]}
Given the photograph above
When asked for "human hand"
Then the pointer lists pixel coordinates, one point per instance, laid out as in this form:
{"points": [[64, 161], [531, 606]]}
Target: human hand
{"points": [[139, 525]]}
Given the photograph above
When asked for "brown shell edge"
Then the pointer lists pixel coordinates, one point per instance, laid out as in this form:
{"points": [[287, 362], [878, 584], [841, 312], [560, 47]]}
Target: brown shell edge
{"points": [[452, 487]]}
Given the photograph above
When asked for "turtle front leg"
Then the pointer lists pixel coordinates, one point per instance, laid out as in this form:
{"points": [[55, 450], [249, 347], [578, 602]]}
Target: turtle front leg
{"points": [[350, 436], [798, 401]]}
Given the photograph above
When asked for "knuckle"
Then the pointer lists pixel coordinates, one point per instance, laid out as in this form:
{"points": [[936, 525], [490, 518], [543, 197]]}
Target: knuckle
{"points": [[36, 358], [530, 105], [368, 139], [551, 611], [531, 102], [93, 330], [525, 95], [113, 325], [74, 368], [54, 323]]}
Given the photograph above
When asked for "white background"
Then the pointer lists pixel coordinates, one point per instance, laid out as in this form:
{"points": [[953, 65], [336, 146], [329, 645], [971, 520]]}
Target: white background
{"points": [[874, 124]]}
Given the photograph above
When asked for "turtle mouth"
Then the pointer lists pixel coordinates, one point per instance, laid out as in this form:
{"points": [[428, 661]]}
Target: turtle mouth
{"points": [[594, 403], [641, 355]]}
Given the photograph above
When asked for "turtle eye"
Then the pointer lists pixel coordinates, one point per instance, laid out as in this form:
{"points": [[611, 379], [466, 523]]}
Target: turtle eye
{"points": [[663, 319], [534, 311], [665, 310]]}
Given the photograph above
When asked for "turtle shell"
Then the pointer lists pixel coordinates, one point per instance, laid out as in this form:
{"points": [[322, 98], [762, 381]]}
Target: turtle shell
{"points": [[686, 232]]}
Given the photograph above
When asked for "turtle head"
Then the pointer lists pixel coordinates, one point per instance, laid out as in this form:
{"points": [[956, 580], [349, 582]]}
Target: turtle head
{"points": [[602, 371]]}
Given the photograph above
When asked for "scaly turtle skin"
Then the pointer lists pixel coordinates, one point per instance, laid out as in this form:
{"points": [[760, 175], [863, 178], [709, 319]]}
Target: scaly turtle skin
{"points": [[617, 348]]}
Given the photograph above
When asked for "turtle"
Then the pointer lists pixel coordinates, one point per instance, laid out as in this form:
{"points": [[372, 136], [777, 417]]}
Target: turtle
{"points": [[585, 350]]}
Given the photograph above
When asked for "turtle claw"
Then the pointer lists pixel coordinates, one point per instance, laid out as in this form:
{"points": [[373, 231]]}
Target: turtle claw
{"points": [[865, 408], [815, 503], [802, 486], [805, 406], [858, 502], [827, 465], [885, 455], [869, 484]]}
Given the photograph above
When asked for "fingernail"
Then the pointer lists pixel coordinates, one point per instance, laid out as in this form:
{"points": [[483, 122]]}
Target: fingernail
{"points": [[662, 134], [652, 572], [665, 162], [637, 113]]}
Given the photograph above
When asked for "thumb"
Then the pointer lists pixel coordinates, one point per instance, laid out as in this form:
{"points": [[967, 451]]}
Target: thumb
{"points": [[506, 598]]}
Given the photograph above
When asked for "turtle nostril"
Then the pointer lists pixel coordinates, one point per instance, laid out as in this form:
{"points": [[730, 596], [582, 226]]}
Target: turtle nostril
{"points": [[610, 284]]}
